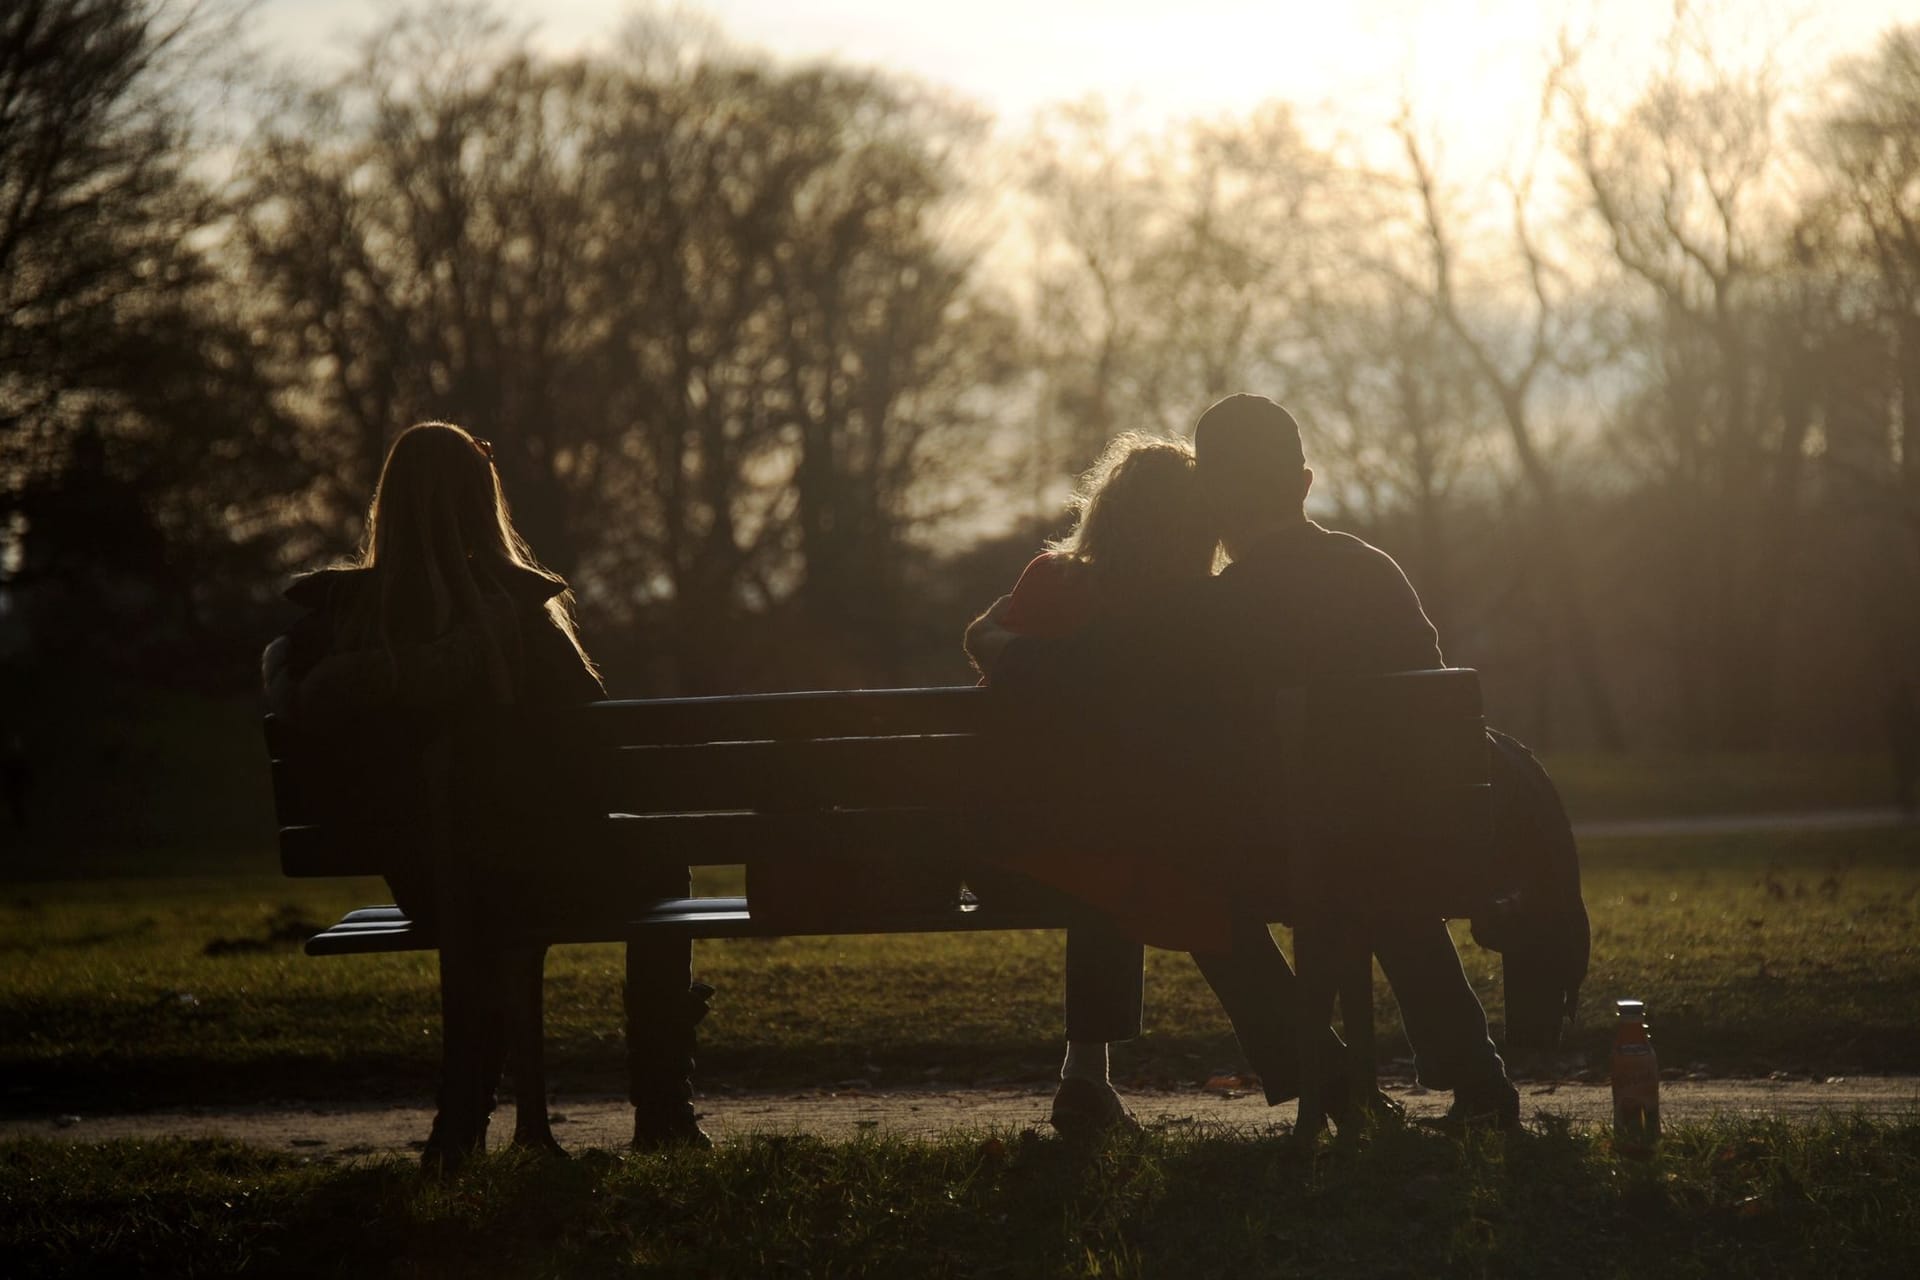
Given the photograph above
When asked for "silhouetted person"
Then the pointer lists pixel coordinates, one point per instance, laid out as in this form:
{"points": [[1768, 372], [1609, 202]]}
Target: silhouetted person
{"points": [[1298, 603], [1903, 744], [446, 612]]}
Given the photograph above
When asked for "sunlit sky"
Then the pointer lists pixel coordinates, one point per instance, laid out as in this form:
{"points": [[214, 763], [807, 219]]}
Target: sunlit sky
{"points": [[1471, 68]]}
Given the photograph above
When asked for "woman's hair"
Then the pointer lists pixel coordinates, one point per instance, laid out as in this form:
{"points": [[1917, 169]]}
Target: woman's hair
{"points": [[1140, 514], [440, 536]]}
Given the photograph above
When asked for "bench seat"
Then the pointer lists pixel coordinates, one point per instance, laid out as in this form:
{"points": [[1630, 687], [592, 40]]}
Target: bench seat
{"points": [[380, 930]]}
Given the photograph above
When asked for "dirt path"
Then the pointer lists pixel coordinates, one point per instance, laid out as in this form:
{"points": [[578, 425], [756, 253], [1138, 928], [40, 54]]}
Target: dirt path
{"points": [[332, 1131]]}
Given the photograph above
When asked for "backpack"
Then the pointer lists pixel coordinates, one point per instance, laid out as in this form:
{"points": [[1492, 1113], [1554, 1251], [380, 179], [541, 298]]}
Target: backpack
{"points": [[1537, 920]]}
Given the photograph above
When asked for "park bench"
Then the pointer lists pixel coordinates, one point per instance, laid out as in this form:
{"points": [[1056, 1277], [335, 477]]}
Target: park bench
{"points": [[1379, 784]]}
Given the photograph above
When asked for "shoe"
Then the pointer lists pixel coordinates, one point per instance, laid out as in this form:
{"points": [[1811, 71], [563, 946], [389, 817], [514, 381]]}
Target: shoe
{"points": [[541, 1143], [672, 1127], [1497, 1107], [1371, 1104], [1084, 1109]]}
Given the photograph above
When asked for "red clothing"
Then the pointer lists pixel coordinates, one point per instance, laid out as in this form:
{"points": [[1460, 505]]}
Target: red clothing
{"points": [[1053, 598], [1151, 900]]}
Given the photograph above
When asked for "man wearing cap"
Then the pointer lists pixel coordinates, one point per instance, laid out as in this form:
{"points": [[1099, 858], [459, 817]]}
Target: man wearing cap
{"points": [[1298, 603]]}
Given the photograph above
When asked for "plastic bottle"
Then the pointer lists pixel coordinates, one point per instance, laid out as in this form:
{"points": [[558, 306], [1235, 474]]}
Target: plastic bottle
{"points": [[1636, 1082]]}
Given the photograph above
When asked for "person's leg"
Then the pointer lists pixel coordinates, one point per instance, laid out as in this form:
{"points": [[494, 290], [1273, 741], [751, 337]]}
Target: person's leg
{"points": [[1444, 1020], [471, 1051], [523, 995], [1106, 984], [1105, 995], [1257, 989], [437, 888], [1105, 979]]}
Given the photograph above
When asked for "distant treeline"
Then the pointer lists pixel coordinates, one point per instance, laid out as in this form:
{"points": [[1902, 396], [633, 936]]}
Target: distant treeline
{"points": [[785, 366]]}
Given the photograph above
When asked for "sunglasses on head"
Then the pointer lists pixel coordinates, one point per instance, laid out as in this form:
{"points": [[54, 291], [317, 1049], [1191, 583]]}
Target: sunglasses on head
{"points": [[485, 447]]}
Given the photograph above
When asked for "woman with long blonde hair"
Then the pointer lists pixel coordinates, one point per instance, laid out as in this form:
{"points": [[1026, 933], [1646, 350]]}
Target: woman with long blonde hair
{"points": [[1140, 530], [1140, 536], [444, 611]]}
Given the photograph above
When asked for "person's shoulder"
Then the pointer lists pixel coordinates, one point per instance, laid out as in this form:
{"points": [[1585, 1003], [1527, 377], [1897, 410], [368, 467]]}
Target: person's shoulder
{"points": [[324, 588], [1049, 599], [1049, 564], [1340, 540], [1353, 547]]}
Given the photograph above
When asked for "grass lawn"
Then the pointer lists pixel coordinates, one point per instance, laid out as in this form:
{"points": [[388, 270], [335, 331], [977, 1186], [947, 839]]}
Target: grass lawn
{"points": [[1599, 787], [1795, 951], [119, 989], [1837, 1198]]}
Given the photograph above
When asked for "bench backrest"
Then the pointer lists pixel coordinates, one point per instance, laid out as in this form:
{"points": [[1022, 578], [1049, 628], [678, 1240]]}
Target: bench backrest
{"points": [[1382, 772]]}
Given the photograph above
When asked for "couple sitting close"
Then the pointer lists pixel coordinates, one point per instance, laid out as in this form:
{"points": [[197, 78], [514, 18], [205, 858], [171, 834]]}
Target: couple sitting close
{"points": [[1129, 601], [446, 609]]}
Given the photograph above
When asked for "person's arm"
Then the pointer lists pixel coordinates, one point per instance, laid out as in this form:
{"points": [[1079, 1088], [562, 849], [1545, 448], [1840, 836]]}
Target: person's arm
{"points": [[1050, 600], [1060, 667], [988, 636]]}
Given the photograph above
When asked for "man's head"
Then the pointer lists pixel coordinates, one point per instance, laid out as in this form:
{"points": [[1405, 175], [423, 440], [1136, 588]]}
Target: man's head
{"points": [[1251, 466]]}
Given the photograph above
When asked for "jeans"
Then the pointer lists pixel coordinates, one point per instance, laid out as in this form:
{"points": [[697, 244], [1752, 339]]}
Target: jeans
{"points": [[1258, 991]]}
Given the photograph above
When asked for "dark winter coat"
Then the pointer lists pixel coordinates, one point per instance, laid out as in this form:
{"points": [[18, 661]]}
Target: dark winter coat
{"points": [[373, 714]]}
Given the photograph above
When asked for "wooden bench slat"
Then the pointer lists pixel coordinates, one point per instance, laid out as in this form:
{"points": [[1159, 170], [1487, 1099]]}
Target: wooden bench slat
{"points": [[773, 717]]}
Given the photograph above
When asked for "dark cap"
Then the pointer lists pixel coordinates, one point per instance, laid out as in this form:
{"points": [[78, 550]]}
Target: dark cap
{"points": [[1247, 433]]}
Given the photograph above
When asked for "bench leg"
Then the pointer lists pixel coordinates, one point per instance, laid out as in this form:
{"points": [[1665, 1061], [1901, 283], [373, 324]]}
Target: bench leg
{"points": [[663, 1006]]}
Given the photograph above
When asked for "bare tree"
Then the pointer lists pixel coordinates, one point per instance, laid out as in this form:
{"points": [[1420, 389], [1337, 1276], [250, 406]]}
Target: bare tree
{"points": [[702, 307], [1400, 414], [123, 373], [1100, 210], [1868, 148], [1514, 380], [1684, 186], [1171, 269]]}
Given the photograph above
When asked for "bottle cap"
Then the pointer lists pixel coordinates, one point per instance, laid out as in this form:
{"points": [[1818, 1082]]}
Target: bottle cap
{"points": [[1630, 1008]]}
